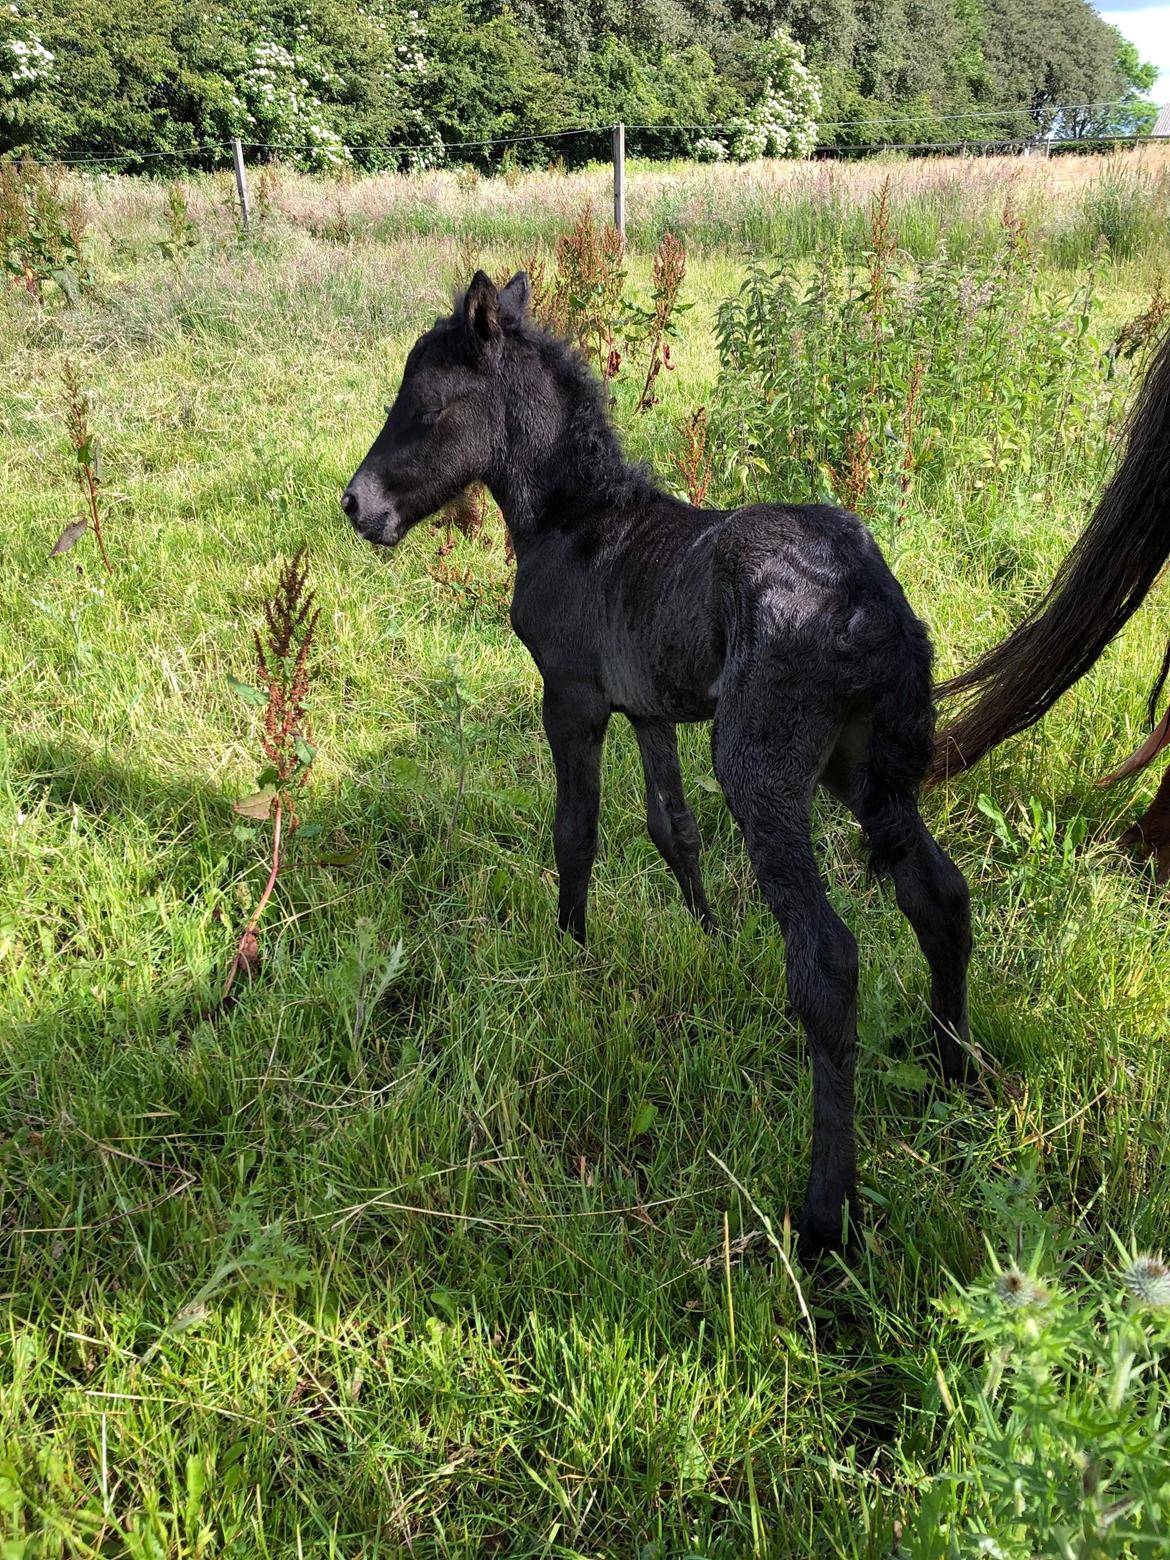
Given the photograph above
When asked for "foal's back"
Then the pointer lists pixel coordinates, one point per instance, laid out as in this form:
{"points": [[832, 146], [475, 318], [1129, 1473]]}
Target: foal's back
{"points": [[803, 594], [674, 598]]}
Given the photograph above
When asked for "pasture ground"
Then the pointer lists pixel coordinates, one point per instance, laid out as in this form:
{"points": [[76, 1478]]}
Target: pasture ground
{"points": [[487, 1268]]}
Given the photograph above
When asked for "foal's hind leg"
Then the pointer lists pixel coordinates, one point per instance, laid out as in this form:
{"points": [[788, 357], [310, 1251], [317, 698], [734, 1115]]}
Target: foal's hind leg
{"points": [[768, 769], [1151, 832], [670, 821], [933, 896]]}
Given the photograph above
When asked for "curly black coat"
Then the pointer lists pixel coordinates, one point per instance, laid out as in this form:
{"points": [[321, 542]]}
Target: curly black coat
{"points": [[781, 623]]}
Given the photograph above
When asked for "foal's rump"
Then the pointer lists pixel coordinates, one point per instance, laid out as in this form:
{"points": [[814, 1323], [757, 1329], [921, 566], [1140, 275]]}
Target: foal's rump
{"points": [[814, 618]]}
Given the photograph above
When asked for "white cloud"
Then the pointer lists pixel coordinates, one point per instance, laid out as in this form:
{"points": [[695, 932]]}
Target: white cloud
{"points": [[1148, 27]]}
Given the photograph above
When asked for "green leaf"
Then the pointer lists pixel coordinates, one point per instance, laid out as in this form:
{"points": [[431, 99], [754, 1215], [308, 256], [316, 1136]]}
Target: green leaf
{"points": [[907, 1075], [513, 798], [443, 1300], [305, 752], [247, 691], [69, 285], [338, 858], [408, 771], [644, 1119], [195, 1484], [308, 831]]}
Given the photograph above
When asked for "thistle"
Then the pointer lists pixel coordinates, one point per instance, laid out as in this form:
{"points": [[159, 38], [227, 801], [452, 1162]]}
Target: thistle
{"points": [[1148, 1281], [1017, 1291]]}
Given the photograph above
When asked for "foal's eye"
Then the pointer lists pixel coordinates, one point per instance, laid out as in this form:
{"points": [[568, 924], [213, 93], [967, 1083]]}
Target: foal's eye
{"points": [[429, 415]]}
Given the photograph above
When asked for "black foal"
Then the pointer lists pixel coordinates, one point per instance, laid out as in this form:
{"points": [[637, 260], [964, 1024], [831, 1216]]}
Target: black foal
{"points": [[782, 623]]}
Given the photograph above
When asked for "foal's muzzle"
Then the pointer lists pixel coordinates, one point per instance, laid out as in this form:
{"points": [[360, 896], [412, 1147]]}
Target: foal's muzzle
{"points": [[372, 512]]}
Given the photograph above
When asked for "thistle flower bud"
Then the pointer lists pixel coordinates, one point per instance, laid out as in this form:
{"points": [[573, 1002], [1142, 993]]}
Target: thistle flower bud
{"points": [[1148, 1281], [1017, 1291]]}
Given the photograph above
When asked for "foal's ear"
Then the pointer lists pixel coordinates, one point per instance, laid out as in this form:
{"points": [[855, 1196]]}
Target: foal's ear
{"points": [[481, 310], [514, 296]]}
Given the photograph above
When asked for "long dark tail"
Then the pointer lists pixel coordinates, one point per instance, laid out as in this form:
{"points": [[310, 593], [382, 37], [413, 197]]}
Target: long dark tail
{"points": [[1096, 591]]}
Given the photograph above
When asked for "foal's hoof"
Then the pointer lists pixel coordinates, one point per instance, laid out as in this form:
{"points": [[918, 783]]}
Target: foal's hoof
{"points": [[573, 929], [1148, 845], [820, 1233], [961, 1065]]}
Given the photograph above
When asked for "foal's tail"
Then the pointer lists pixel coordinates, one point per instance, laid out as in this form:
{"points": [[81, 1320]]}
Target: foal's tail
{"points": [[1097, 589]]}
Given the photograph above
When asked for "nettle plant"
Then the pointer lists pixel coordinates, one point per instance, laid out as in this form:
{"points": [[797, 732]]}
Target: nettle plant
{"points": [[182, 233], [1059, 1408], [869, 381]]}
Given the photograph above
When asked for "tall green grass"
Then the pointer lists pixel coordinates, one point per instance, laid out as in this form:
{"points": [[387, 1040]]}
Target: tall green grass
{"points": [[1073, 206], [502, 1264]]}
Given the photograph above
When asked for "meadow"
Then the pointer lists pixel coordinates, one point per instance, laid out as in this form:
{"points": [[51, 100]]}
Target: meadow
{"points": [[447, 1237]]}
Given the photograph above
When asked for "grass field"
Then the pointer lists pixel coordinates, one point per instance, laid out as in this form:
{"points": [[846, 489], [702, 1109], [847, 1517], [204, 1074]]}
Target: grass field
{"points": [[499, 1264]]}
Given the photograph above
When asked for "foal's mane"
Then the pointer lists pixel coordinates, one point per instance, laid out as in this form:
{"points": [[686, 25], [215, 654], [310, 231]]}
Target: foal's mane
{"points": [[592, 456], [594, 448]]}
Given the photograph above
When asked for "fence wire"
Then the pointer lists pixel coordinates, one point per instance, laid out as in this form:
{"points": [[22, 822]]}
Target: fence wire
{"points": [[1006, 144]]}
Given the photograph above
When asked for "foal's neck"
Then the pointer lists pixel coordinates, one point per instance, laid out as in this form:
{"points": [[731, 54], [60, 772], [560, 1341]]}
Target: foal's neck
{"points": [[576, 474]]}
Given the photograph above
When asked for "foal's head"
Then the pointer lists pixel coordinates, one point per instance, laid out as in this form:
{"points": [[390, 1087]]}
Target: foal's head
{"points": [[448, 424]]}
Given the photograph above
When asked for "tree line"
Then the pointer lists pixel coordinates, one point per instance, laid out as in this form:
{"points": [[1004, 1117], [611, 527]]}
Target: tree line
{"points": [[379, 83]]}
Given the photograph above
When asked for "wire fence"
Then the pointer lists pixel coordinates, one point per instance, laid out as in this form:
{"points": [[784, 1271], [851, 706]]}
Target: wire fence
{"points": [[1013, 142]]}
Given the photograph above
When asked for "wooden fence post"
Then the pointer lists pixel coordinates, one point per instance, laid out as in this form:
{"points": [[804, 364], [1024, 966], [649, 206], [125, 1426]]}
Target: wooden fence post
{"points": [[619, 178], [241, 182]]}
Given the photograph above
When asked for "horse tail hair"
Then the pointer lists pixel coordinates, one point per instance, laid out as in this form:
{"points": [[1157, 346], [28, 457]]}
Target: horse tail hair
{"points": [[898, 753], [1096, 591]]}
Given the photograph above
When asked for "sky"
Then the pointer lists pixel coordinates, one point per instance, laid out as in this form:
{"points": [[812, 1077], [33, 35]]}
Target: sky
{"points": [[1147, 25]]}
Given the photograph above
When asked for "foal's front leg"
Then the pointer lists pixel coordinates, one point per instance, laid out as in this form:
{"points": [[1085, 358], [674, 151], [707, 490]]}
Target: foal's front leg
{"points": [[670, 821], [575, 722]]}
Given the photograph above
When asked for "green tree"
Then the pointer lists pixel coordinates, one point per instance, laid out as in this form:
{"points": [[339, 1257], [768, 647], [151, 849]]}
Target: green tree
{"points": [[1060, 62], [488, 80], [324, 82]]}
